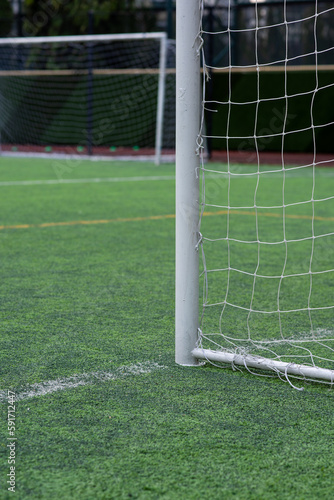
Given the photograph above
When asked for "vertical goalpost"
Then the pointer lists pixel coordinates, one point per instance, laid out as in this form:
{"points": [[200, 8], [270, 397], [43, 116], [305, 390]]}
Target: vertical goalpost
{"points": [[290, 353], [187, 179]]}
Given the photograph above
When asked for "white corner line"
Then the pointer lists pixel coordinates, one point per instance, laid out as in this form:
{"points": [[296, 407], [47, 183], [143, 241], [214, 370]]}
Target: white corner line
{"points": [[62, 384]]}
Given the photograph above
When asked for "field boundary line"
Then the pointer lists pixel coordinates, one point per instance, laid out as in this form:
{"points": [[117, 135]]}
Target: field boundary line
{"points": [[62, 384], [93, 180], [160, 217], [150, 178], [96, 180]]}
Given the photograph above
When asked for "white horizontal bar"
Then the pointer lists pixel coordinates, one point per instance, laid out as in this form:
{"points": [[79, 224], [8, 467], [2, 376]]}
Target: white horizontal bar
{"points": [[81, 38], [310, 372]]}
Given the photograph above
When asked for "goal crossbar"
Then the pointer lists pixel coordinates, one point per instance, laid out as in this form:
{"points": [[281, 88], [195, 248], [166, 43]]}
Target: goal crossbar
{"points": [[81, 38], [84, 72]]}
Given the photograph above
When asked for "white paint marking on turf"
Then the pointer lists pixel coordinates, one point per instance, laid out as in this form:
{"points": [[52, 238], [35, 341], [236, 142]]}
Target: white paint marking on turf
{"points": [[88, 181], [62, 384], [98, 180]]}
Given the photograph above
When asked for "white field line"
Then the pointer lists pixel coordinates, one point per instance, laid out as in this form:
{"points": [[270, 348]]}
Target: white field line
{"points": [[88, 181], [62, 384], [97, 180]]}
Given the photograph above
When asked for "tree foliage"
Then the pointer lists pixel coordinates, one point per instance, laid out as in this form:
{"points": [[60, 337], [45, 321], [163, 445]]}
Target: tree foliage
{"points": [[6, 17], [71, 17]]}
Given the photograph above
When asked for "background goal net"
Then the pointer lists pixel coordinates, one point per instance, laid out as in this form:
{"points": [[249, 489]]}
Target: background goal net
{"points": [[98, 95], [265, 233]]}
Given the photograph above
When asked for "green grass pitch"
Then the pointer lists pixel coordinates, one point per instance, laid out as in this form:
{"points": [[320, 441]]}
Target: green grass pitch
{"points": [[87, 345]]}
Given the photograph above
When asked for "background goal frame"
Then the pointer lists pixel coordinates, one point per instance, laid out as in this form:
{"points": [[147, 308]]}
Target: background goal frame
{"points": [[161, 37]]}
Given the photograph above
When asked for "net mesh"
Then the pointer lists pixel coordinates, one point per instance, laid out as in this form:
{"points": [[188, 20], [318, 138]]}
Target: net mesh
{"points": [[66, 94], [267, 232]]}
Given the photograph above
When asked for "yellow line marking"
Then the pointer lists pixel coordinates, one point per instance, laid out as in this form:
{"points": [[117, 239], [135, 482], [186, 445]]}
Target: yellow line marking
{"points": [[89, 222], [160, 217]]}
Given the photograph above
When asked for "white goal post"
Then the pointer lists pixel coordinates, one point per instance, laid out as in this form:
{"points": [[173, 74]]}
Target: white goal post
{"points": [[109, 95], [187, 179], [269, 317]]}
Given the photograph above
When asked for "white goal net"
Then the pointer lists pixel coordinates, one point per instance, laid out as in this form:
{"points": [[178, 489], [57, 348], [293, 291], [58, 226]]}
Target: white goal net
{"points": [[109, 95], [266, 229]]}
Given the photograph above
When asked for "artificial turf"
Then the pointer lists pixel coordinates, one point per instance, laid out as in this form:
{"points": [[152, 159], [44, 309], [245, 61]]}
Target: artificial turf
{"points": [[94, 304]]}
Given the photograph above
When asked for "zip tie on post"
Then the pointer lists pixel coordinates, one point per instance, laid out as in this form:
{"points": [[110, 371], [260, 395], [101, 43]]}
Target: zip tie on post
{"points": [[208, 77], [199, 144], [200, 239], [200, 335], [199, 38]]}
